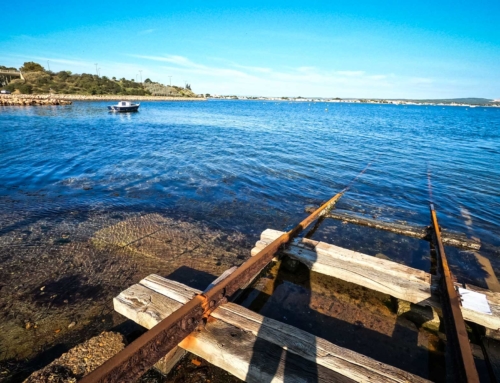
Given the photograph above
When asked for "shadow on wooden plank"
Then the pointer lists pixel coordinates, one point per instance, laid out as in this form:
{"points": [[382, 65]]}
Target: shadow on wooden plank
{"points": [[196, 279]]}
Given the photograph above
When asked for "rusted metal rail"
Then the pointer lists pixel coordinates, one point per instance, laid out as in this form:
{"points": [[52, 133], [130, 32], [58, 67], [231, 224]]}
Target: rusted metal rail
{"points": [[144, 352], [464, 369]]}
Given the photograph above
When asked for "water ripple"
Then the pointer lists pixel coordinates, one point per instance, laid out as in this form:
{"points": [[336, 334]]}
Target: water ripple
{"points": [[267, 157]]}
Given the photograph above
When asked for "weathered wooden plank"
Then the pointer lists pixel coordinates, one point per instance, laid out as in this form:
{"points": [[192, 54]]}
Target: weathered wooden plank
{"points": [[253, 360], [351, 364], [144, 306], [399, 281], [243, 342], [172, 289], [218, 343], [182, 294], [415, 231], [165, 364], [223, 276], [489, 321], [391, 278], [347, 269]]}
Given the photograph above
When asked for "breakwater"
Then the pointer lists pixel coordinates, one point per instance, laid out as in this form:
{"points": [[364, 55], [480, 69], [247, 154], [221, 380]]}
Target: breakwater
{"points": [[117, 97], [65, 99], [21, 100]]}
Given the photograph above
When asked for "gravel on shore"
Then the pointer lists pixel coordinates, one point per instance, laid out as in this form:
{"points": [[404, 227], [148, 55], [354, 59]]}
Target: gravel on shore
{"points": [[80, 360]]}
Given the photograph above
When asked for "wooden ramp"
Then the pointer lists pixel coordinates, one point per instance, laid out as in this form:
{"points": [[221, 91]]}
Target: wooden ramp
{"points": [[250, 346], [259, 349], [421, 232], [400, 281]]}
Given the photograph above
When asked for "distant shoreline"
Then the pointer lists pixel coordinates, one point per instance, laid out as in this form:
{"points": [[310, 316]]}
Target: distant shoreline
{"points": [[444, 102]]}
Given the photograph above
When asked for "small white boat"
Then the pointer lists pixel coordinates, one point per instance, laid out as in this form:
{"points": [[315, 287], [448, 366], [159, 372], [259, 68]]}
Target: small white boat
{"points": [[124, 106]]}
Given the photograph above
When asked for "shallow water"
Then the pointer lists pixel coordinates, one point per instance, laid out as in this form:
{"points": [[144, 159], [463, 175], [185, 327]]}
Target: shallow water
{"points": [[249, 165]]}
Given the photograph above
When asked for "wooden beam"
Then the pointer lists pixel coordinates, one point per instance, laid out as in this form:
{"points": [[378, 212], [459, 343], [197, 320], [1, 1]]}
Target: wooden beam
{"points": [[223, 276], [400, 281], [165, 364], [415, 231], [246, 344], [351, 364]]}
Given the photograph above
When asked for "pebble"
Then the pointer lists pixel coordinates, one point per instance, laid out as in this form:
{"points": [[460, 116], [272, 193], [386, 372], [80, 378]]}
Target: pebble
{"points": [[72, 324], [195, 362]]}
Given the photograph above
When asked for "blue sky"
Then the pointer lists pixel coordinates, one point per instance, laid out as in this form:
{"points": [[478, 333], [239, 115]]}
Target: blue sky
{"points": [[382, 49]]}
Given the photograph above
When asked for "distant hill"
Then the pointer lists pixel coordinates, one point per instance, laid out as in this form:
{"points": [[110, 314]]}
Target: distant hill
{"points": [[157, 89], [37, 80]]}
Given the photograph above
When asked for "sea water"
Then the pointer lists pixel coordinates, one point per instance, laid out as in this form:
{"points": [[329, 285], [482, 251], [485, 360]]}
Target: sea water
{"points": [[252, 165]]}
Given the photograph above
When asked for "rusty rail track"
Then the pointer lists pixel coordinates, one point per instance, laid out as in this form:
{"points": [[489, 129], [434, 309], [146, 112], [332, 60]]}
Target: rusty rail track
{"points": [[464, 368], [144, 352]]}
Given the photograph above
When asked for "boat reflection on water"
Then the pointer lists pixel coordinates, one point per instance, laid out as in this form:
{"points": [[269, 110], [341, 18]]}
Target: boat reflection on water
{"points": [[124, 116]]}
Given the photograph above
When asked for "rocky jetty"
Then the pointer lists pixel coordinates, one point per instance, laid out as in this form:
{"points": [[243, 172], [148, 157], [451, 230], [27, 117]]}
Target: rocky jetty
{"points": [[117, 97], [25, 99], [67, 99]]}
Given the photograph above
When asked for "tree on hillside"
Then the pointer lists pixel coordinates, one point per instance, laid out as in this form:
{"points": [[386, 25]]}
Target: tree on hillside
{"points": [[22, 88], [147, 81], [31, 66], [63, 75], [188, 86]]}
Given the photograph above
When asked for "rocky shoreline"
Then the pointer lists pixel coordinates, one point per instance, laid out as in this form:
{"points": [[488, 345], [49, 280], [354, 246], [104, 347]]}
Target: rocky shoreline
{"points": [[25, 100], [117, 97], [58, 278], [67, 99]]}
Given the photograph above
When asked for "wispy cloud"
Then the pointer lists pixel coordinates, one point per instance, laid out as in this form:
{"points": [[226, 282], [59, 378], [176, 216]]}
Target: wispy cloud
{"points": [[353, 73], [184, 65], [49, 60], [421, 80], [253, 68], [146, 31], [243, 79], [220, 76], [64, 61]]}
